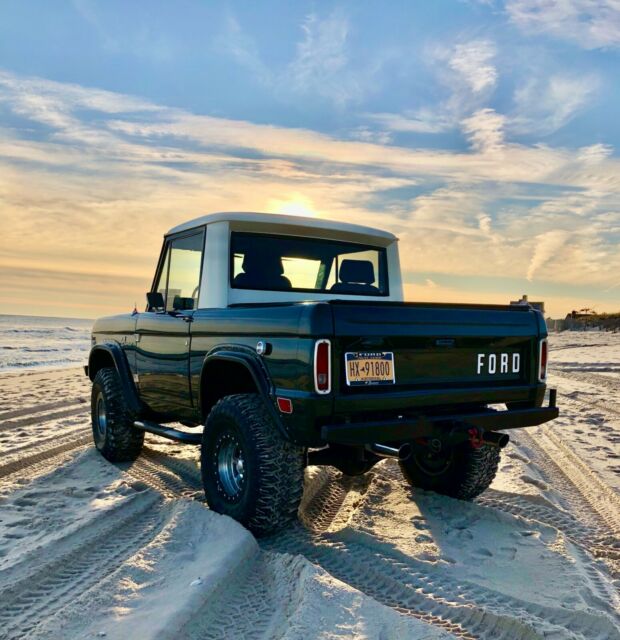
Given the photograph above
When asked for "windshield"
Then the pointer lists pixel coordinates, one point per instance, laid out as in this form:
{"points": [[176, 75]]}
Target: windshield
{"points": [[285, 263]]}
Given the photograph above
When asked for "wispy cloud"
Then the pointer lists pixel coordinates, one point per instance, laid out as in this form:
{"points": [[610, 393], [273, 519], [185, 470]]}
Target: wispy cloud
{"points": [[591, 24], [322, 67], [242, 48], [545, 104], [466, 71], [473, 63], [141, 42], [547, 246], [485, 130], [321, 64]]}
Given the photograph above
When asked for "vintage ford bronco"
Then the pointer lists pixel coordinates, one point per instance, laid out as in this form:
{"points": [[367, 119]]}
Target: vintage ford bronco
{"points": [[276, 342]]}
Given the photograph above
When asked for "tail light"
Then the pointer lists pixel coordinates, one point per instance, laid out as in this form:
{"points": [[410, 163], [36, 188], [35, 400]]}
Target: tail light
{"points": [[322, 366], [542, 360]]}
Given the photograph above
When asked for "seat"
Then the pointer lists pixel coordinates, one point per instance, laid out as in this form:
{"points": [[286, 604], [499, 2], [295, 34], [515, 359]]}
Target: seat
{"points": [[262, 271], [356, 276]]}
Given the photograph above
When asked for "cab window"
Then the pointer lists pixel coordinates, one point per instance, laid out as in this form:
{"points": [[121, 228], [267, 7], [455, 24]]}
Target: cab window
{"points": [[179, 278], [286, 263]]}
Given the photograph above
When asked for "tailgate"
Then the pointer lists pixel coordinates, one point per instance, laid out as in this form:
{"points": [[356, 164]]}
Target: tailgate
{"points": [[452, 346]]}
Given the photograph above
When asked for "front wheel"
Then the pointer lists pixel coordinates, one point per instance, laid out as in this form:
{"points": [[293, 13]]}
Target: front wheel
{"points": [[249, 471], [460, 471], [113, 431]]}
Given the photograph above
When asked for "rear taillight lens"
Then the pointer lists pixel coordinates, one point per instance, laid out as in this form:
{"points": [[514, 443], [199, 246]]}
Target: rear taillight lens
{"points": [[542, 360], [322, 366]]}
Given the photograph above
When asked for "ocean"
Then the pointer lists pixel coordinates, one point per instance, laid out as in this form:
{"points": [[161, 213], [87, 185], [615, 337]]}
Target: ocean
{"points": [[29, 342]]}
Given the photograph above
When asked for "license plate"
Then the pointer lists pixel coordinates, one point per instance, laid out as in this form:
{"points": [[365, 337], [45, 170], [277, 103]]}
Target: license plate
{"points": [[363, 369]]}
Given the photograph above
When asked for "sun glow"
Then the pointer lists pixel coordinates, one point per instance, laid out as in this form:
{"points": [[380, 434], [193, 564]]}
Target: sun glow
{"points": [[296, 205]]}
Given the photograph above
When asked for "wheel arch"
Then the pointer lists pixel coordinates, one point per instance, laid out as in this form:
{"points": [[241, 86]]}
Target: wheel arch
{"points": [[110, 354], [229, 372]]}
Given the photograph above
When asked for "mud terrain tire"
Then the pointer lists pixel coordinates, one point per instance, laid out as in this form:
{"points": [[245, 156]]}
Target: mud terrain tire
{"points": [[249, 471], [467, 471], [113, 431]]}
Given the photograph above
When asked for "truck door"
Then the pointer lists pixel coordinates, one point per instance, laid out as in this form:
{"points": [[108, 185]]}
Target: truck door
{"points": [[162, 349]]}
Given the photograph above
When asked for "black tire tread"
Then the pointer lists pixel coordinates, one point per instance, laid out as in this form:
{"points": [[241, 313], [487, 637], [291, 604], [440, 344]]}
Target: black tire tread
{"points": [[123, 442], [474, 471], [281, 463], [479, 472]]}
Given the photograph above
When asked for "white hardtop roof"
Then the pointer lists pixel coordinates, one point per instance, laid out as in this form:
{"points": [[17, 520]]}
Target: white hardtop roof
{"points": [[284, 220]]}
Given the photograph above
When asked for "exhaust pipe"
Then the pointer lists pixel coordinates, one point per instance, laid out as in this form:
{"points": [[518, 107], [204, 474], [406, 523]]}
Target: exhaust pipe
{"points": [[383, 450], [402, 453], [405, 451], [495, 439]]}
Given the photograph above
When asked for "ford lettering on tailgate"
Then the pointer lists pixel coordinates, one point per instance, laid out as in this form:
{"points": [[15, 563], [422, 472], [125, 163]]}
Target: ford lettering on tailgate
{"points": [[493, 363]]}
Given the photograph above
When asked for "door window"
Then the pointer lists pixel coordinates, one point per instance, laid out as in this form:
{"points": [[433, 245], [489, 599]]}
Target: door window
{"points": [[163, 274], [179, 280]]}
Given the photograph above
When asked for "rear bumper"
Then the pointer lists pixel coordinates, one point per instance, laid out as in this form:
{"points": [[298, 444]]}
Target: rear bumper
{"points": [[410, 428]]}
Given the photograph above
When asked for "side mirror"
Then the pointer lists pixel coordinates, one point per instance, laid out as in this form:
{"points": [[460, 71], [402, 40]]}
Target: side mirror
{"points": [[155, 301]]}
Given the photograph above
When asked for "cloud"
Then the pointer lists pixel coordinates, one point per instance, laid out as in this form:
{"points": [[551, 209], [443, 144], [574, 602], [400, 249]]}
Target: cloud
{"points": [[547, 246], [595, 153], [321, 62], [546, 104], [322, 67], [467, 72], [420, 121], [142, 42], [242, 48], [485, 130], [366, 134], [472, 61], [591, 24]]}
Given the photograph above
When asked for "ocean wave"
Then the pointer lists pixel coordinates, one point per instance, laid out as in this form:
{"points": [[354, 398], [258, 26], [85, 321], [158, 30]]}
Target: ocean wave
{"points": [[28, 342], [33, 364]]}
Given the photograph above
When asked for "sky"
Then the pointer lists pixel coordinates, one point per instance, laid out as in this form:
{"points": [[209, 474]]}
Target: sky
{"points": [[484, 134]]}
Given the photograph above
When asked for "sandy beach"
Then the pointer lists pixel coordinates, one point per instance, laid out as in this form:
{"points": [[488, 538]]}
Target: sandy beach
{"points": [[90, 549]]}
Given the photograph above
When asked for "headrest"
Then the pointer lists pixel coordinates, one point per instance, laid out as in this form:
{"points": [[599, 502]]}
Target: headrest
{"points": [[357, 271], [262, 263]]}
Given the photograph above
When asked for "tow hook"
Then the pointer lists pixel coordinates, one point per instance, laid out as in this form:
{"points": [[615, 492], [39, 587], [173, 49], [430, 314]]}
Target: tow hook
{"points": [[476, 437]]}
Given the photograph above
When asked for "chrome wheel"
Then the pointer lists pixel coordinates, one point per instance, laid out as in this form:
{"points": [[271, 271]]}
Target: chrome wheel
{"points": [[230, 465], [101, 418]]}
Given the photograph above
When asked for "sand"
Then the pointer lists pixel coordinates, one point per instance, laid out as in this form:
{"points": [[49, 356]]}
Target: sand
{"points": [[89, 549]]}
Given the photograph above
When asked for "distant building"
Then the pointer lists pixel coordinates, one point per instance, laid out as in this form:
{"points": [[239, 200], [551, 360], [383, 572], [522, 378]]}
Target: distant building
{"points": [[556, 324], [582, 320], [525, 300]]}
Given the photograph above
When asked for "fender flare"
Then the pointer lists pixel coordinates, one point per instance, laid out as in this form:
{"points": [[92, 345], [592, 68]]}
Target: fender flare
{"points": [[128, 388], [258, 373]]}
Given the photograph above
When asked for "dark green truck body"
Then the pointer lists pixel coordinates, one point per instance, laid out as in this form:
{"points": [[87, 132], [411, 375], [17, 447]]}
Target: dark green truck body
{"points": [[175, 366]]}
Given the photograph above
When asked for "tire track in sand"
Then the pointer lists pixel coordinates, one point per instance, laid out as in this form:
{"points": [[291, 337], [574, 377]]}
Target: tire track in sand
{"points": [[406, 585], [41, 417], [413, 588], [40, 461], [41, 408], [589, 499], [85, 559]]}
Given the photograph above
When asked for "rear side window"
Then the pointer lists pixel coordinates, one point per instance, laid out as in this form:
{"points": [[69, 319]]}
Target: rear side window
{"points": [[285, 263], [179, 278]]}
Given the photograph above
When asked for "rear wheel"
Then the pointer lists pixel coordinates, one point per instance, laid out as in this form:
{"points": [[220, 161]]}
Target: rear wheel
{"points": [[460, 471], [113, 431], [249, 471]]}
